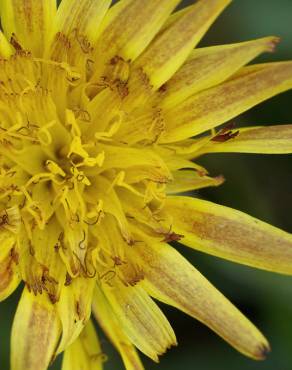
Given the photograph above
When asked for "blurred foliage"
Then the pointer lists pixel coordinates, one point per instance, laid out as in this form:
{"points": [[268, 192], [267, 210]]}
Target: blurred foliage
{"points": [[258, 185]]}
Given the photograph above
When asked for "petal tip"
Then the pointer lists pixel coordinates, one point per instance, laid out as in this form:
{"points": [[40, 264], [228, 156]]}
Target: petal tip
{"points": [[220, 179], [273, 43], [262, 351]]}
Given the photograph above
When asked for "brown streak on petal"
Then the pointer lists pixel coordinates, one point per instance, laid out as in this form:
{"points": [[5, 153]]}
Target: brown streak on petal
{"points": [[267, 133], [174, 281], [6, 273], [245, 237], [212, 107], [231, 234], [38, 319], [27, 12]]}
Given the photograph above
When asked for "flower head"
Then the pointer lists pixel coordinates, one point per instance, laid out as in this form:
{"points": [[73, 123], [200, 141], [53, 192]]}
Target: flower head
{"points": [[102, 112]]}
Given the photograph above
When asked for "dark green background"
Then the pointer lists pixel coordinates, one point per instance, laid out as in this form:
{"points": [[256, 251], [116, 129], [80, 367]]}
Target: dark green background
{"points": [[258, 185]]}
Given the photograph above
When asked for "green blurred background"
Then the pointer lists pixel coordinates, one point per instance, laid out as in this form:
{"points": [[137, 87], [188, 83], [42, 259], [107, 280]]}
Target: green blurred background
{"points": [[258, 185]]}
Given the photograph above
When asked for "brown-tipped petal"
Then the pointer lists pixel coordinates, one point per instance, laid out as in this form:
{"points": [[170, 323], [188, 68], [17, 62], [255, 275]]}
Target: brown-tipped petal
{"points": [[111, 326], [249, 87], [35, 333], [207, 67], [262, 140], [171, 279], [140, 319], [230, 234], [85, 353], [171, 48], [29, 23], [74, 309]]}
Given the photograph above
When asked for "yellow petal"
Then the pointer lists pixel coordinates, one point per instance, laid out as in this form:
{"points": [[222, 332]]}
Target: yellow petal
{"points": [[85, 353], [35, 333], [5, 48], [48, 257], [207, 67], [170, 49], [82, 16], [7, 240], [264, 140], [230, 234], [125, 157], [9, 274], [187, 180], [30, 21], [74, 309], [171, 279], [140, 319], [31, 271], [210, 108], [146, 164], [129, 27], [111, 326], [176, 162], [174, 17]]}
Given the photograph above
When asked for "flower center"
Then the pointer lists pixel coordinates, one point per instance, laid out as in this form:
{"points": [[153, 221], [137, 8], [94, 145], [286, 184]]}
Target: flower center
{"points": [[77, 172]]}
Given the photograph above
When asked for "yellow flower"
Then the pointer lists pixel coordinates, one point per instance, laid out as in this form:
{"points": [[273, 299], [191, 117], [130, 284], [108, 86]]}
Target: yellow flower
{"points": [[102, 112]]}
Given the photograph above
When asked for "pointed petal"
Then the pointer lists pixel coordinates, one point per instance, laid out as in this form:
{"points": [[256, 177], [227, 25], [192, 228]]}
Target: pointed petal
{"points": [[187, 180], [170, 49], [262, 140], [85, 352], [175, 16], [48, 257], [176, 162], [35, 333], [30, 21], [210, 66], [85, 16], [9, 271], [111, 326], [249, 87], [138, 164], [141, 319], [9, 274], [171, 279], [230, 234], [129, 27], [74, 309]]}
